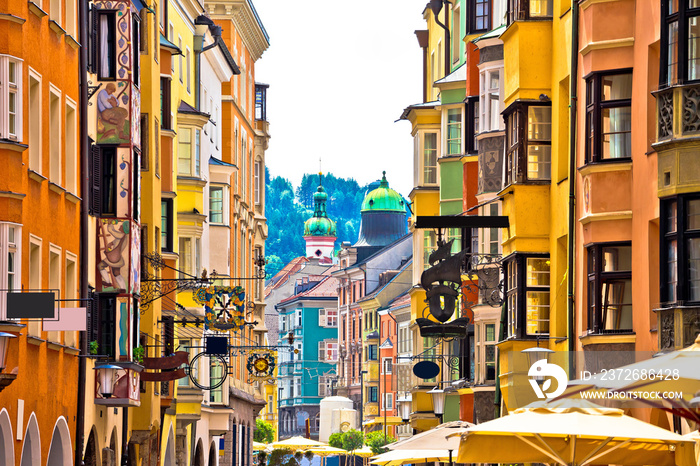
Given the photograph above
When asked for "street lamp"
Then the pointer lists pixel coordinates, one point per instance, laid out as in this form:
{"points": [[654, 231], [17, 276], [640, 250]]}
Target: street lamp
{"points": [[536, 354], [404, 407], [107, 375], [4, 345], [438, 395]]}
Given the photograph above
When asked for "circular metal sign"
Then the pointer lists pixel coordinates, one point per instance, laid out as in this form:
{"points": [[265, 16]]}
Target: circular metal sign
{"points": [[426, 370]]}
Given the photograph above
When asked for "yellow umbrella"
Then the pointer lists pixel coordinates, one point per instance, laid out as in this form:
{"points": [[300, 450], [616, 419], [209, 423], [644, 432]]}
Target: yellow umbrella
{"points": [[365, 452], [327, 450], [399, 457], [297, 443], [258, 446], [695, 437], [443, 437], [573, 432]]}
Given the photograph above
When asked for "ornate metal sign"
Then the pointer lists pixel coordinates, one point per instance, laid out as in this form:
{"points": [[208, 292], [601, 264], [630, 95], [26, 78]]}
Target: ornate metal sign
{"points": [[231, 300]]}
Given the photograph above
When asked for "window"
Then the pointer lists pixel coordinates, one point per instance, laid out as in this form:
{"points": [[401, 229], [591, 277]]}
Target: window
{"points": [[10, 270], [244, 162], [163, 15], [405, 338], [216, 372], [216, 204], [372, 398], [179, 45], [527, 296], [454, 131], [55, 136], [388, 404], [680, 42], [479, 17], [490, 352], [610, 288], [261, 102], [35, 117], [135, 46], [106, 46], [187, 68], [471, 125], [328, 350], [188, 154], [185, 252], [165, 102], [490, 100], [429, 158], [608, 117], [71, 18], [528, 143], [456, 33], [71, 147], [106, 318], [10, 98], [386, 365], [371, 352], [489, 237], [103, 189], [680, 249], [428, 247], [55, 9], [519, 10], [332, 317], [258, 177], [166, 222]]}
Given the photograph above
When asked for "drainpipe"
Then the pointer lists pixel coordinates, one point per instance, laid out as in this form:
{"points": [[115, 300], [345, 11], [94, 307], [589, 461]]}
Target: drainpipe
{"points": [[84, 192], [435, 5], [125, 436], [573, 85]]}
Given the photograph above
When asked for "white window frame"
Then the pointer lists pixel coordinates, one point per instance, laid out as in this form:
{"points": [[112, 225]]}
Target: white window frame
{"points": [[36, 137], [195, 162], [187, 69], [7, 89], [446, 130], [70, 150], [71, 18], [179, 45], [55, 10], [419, 156], [390, 367], [224, 203], [256, 186], [487, 118], [457, 32], [8, 248], [55, 138]]}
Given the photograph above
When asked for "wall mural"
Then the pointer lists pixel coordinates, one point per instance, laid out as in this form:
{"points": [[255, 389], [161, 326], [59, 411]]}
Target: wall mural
{"points": [[124, 180], [135, 120], [123, 335], [113, 255], [116, 100]]}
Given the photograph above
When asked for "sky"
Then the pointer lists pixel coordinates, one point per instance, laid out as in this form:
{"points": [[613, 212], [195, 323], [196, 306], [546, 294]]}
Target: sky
{"points": [[340, 74]]}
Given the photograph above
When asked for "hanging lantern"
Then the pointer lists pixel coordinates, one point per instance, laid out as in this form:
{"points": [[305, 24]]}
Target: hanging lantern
{"points": [[536, 354], [107, 376], [438, 400], [4, 345], [404, 405]]}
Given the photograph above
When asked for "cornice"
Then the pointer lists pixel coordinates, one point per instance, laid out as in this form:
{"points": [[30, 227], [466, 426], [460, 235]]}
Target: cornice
{"points": [[243, 17]]}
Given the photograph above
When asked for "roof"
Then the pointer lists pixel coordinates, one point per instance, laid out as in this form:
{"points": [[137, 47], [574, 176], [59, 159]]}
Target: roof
{"points": [[326, 288], [383, 198], [460, 74], [379, 289], [214, 161], [187, 108], [494, 33], [257, 18], [283, 275], [407, 110], [229, 58], [166, 44], [402, 300]]}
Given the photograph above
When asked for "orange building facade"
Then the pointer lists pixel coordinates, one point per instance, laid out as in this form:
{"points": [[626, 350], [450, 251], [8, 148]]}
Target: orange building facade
{"points": [[40, 202]]}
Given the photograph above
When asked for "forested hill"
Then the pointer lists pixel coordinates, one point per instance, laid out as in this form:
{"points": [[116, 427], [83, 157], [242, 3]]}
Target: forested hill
{"points": [[287, 209]]}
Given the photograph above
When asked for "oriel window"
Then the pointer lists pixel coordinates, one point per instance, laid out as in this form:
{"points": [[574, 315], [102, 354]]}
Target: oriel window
{"points": [[107, 47]]}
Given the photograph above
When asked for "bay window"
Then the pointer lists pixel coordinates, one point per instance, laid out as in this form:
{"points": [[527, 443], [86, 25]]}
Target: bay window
{"points": [[527, 295], [188, 152], [454, 131], [216, 205], [680, 42], [490, 100], [608, 116], [528, 143], [471, 125], [430, 158], [680, 249], [610, 288], [10, 98], [520, 10], [10, 262]]}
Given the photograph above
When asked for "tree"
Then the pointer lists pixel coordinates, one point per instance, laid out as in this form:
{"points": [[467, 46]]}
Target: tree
{"points": [[264, 431], [336, 440], [280, 456], [353, 440], [376, 441]]}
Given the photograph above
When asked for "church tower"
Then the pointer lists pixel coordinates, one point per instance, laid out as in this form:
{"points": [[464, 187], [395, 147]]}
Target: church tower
{"points": [[319, 230]]}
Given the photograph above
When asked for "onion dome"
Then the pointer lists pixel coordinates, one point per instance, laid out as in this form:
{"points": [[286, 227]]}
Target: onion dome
{"points": [[320, 224], [383, 199]]}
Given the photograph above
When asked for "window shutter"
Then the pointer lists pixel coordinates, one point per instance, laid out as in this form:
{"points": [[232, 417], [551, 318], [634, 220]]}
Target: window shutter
{"points": [[322, 318], [95, 180], [168, 335], [144, 141], [321, 350], [93, 321], [92, 40]]}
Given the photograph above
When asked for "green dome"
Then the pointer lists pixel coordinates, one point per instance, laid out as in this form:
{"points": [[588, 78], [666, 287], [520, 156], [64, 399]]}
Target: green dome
{"points": [[319, 226], [383, 199]]}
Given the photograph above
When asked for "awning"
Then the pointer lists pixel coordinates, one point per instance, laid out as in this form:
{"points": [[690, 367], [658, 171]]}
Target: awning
{"points": [[494, 33], [379, 420], [169, 46]]}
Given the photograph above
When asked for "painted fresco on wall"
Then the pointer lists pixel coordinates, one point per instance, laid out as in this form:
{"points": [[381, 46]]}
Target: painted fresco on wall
{"points": [[114, 98], [123, 334], [113, 126], [124, 172], [136, 112], [113, 244], [135, 260]]}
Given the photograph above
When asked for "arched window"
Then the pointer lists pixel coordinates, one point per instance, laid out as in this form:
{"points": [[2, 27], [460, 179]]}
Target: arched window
{"points": [[60, 453], [31, 450], [7, 450]]}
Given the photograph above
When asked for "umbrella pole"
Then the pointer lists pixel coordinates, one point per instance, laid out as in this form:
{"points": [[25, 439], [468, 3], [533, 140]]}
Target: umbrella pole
{"points": [[451, 463]]}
